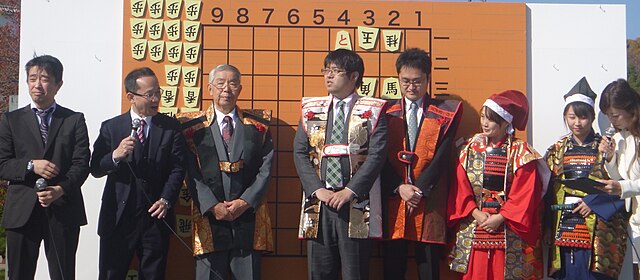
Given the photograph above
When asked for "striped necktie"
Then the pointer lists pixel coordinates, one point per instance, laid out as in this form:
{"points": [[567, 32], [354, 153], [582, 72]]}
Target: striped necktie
{"points": [[44, 123], [140, 131]]}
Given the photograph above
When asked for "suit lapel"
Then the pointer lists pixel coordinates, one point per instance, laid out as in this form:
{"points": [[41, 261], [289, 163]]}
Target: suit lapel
{"points": [[31, 123], [347, 116], [156, 132], [125, 125], [216, 137], [238, 145], [56, 121]]}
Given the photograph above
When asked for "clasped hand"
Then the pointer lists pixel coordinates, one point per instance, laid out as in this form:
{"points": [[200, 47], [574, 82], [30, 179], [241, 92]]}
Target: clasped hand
{"points": [[230, 210], [334, 199], [488, 222]]}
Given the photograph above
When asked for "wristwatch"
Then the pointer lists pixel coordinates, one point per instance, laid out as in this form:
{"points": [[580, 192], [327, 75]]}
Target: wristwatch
{"points": [[166, 202], [30, 166]]}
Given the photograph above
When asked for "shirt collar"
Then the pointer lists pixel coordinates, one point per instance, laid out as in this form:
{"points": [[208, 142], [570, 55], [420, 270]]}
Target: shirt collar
{"points": [[407, 102], [136, 116], [54, 106], [220, 116], [347, 100]]}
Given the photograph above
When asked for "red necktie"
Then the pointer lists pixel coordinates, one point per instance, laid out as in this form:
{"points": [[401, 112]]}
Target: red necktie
{"points": [[227, 131], [140, 131]]}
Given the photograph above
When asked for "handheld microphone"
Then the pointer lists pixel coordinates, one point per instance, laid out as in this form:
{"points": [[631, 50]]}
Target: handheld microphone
{"points": [[41, 184], [610, 132], [135, 124]]}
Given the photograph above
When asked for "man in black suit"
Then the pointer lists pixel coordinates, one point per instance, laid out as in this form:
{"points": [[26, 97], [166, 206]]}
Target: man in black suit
{"points": [[43, 140], [228, 169], [144, 175], [339, 150]]}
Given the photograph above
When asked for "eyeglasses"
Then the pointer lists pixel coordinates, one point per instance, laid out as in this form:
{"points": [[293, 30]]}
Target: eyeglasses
{"points": [[414, 83], [333, 71], [150, 94], [233, 85]]}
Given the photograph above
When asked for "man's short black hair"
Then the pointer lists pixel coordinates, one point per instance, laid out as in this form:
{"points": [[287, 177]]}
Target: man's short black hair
{"points": [[414, 58], [348, 60], [48, 63], [130, 81]]}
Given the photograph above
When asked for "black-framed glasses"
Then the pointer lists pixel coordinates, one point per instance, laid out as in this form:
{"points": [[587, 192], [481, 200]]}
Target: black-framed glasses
{"points": [[333, 71], [150, 94], [415, 83]]}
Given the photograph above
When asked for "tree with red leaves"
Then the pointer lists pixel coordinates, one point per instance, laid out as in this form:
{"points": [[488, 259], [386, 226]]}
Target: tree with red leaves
{"points": [[9, 50]]}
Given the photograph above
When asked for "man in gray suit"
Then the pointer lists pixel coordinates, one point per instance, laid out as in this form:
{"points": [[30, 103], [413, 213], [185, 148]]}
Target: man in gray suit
{"points": [[339, 150], [228, 167]]}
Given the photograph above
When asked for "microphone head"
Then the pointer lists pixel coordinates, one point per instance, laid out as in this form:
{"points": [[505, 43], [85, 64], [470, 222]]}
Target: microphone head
{"points": [[135, 123], [610, 132], [41, 184]]}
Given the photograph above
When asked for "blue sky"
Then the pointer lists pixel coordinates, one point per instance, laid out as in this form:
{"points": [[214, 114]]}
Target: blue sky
{"points": [[633, 10]]}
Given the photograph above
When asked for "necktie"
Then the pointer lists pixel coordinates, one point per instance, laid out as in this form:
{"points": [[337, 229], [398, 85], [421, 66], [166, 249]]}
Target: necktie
{"points": [[44, 123], [227, 131], [412, 125], [140, 131], [334, 170]]}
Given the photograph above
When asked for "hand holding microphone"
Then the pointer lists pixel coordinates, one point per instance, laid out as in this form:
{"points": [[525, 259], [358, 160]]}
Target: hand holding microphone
{"points": [[47, 194], [125, 148], [607, 147]]}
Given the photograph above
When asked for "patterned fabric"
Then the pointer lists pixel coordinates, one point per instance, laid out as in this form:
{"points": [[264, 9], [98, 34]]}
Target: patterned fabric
{"points": [[365, 217], [522, 261], [412, 125], [573, 231], [608, 240], [495, 166], [202, 235], [578, 162], [140, 131], [227, 132], [44, 123], [334, 170]]}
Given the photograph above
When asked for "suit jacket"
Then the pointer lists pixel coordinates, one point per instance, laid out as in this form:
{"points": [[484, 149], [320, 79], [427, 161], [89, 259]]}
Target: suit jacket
{"points": [[625, 167], [361, 182], [67, 147], [429, 170], [209, 186], [163, 171]]}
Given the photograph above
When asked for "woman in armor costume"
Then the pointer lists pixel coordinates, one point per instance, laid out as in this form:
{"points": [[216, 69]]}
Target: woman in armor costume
{"points": [[581, 220], [495, 197]]}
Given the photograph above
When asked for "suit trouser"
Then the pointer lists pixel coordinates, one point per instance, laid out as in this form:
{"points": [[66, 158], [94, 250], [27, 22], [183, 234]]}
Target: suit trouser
{"points": [[427, 259], [142, 234], [244, 264], [334, 249], [60, 243]]}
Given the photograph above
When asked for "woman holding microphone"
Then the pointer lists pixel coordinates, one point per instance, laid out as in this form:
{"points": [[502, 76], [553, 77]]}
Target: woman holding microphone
{"points": [[621, 104]]}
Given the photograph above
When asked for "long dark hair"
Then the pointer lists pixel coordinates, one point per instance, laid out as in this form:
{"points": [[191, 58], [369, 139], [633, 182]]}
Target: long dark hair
{"points": [[619, 94]]}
